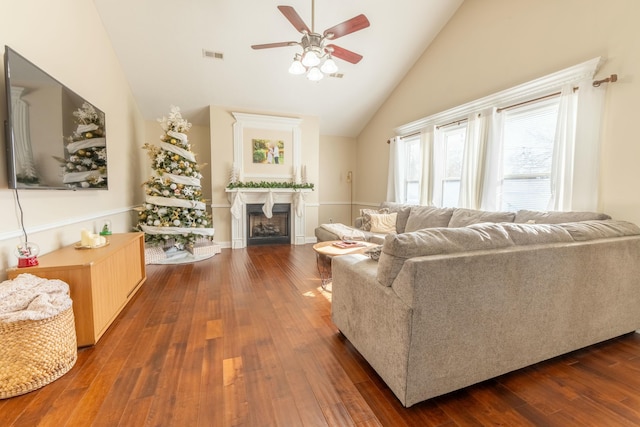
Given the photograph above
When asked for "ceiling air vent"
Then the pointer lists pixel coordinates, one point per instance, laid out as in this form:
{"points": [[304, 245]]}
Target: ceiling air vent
{"points": [[212, 55], [337, 75]]}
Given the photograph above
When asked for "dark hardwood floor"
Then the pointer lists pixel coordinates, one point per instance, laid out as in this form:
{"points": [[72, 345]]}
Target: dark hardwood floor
{"points": [[245, 339]]}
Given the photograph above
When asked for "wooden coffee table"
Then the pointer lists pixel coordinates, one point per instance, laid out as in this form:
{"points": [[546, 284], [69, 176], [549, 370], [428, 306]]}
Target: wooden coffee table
{"points": [[325, 251]]}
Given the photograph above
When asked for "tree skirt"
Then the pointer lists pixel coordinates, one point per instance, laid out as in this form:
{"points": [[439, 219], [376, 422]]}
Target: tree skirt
{"points": [[173, 255]]}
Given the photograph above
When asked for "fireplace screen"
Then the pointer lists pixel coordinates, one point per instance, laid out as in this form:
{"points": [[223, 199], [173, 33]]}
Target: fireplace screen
{"points": [[262, 230]]}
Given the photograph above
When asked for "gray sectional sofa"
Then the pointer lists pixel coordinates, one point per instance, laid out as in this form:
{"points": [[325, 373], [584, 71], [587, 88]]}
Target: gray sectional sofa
{"points": [[447, 307]]}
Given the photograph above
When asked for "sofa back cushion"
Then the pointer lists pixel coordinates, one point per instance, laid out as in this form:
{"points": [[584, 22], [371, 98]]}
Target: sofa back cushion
{"points": [[537, 234], [399, 247], [427, 217], [590, 230], [463, 217], [536, 217], [403, 212]]}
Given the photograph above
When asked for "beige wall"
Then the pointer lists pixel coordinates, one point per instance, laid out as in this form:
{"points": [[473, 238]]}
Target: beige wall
{"points": [[221, 122], [66, 39], [337, 159], [491, 45]]}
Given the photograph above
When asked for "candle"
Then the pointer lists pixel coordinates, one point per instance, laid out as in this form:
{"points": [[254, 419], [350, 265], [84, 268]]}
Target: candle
{"points": [[85, 238]]}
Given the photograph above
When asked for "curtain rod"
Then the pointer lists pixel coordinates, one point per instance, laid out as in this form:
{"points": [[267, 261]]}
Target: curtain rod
{"points": [[529, 101], [406, 136], [612, 78], [596, 83]]}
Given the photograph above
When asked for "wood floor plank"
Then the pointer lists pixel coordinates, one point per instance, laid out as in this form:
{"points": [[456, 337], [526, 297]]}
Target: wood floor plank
{"points": [[235, 395], [245, 338]]}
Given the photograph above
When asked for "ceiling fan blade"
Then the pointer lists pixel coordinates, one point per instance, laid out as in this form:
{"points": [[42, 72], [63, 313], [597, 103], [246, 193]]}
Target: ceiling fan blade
{"points": [[293, 17], [270, 45], [344, 54], [352, 25]]}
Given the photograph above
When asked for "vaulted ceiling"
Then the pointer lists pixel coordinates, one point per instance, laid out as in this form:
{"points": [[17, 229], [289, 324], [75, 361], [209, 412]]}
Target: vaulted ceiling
{"points": [[160, 44]]}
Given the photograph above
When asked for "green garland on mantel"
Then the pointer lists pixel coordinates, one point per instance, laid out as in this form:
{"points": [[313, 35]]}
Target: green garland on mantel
{"points": [[269, 184]]}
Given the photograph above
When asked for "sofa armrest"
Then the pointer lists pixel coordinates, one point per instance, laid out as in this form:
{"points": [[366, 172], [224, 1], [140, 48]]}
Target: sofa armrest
{"points": [[372, 318]]}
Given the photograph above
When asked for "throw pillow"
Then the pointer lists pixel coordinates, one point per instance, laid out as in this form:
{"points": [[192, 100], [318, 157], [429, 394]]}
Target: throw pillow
{"points": [[366, 216], [384, 223]]}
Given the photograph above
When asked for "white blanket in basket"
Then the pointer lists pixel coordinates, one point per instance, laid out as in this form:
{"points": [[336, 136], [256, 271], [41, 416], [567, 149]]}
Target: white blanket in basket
{"points": [[28, 297]]}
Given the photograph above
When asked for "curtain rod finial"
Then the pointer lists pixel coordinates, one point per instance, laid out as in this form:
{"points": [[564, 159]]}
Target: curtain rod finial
{"points": [[611, 79]]}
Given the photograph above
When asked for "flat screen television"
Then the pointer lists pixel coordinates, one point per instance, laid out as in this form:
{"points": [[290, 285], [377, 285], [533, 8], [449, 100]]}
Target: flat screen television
{"points": [[55, 138]]}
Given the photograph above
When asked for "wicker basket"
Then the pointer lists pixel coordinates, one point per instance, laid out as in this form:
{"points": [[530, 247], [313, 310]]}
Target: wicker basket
{"points": [[154, 254], [34, 353]]}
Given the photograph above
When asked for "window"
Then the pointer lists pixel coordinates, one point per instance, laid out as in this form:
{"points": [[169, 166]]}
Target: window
{"points": [[497, 152], [413, 152], [448, 164], [527, 149]]}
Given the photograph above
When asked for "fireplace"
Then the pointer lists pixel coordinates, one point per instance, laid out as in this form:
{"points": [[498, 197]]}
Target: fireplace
{"points": [[241, 198], [268, 231]]}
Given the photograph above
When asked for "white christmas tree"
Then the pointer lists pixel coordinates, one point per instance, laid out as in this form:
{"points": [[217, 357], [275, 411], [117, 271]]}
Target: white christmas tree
{"points": [[174, 210], [85, 164]]}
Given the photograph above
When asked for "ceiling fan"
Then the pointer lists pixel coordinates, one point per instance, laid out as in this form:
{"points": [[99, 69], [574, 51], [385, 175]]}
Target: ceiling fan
{"points": [[317, 51]]}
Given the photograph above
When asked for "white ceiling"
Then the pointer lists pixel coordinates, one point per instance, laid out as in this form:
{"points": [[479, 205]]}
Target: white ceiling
{"points": [[160, 46]]}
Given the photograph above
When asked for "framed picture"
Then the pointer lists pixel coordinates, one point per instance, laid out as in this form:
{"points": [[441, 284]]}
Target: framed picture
{"points": [[268, 151], [266, 147]]}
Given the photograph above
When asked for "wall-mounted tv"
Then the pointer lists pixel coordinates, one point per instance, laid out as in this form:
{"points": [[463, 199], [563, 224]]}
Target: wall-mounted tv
{"points": [[55, 138]]}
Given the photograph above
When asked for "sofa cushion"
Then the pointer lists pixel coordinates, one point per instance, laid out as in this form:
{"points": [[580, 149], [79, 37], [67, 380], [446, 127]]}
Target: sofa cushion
{"points": [[366, 217], [399, 247], [591, 230], [427, 217], [533, 234], [463, 217], [536, 217], [403, 212], [383, 223]]}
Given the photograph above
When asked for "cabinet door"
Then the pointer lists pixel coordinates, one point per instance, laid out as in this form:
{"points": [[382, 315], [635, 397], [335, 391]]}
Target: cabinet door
{"points": [[114, 279]]}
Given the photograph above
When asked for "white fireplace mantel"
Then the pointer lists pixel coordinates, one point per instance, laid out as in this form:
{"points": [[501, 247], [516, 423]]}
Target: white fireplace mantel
{"points": [[240, 197]]}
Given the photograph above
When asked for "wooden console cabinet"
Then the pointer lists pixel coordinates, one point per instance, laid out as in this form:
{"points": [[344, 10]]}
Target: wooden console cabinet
{"points": [[101, 281]]}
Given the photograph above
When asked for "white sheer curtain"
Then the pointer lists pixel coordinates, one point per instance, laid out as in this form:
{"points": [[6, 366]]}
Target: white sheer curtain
{"points": [[575, 165], [396, 174], [426, 182], [561, 180], [473, 164], [493, 169], [437, 167], [587, 148]]}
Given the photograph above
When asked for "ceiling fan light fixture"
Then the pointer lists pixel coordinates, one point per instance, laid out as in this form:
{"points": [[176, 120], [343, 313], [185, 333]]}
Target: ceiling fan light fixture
{"points": [[316, 58], [315, 74], [329, 66], [296, 66], [310, 59]]}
